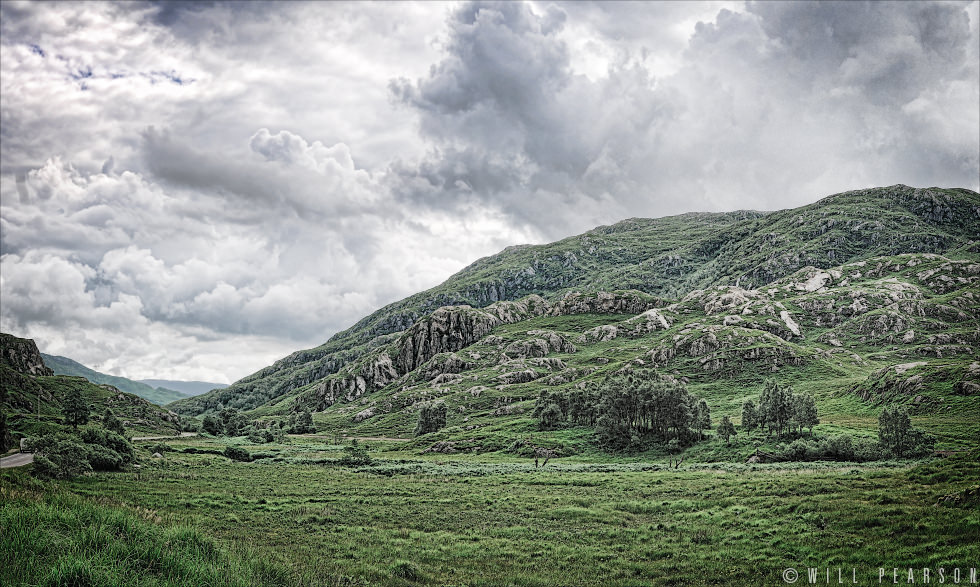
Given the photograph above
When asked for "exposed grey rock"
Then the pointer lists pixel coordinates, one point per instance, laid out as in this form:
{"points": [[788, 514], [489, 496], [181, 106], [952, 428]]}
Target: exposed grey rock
{"points": [[627, 302], [21, 355], [519, 377], [364, 415]]}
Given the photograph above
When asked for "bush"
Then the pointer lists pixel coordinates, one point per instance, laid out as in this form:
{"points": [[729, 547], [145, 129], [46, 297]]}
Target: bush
{"points": [[111, 441], [356, 456], [551, 418], [161, 448], [432, 417], [211, 426], [237, 454], [104, 459], [59, 456]]}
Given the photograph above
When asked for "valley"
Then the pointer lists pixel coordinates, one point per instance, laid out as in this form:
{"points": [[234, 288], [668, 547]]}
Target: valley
{"points": [[571, 414]]}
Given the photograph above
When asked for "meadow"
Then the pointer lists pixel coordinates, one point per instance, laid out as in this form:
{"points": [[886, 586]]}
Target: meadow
{"points": [[297, 517]]}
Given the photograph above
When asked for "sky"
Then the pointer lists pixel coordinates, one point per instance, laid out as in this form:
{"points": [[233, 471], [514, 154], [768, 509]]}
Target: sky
{"points": [[194, 190]]}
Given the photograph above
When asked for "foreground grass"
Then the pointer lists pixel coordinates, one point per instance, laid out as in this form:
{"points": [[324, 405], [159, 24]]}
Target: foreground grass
{"points": [[467, 523], [50, 537]]}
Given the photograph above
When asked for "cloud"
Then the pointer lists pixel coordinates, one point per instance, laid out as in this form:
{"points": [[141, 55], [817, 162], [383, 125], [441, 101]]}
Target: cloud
{"points": [[191, 190], [782, 98]]}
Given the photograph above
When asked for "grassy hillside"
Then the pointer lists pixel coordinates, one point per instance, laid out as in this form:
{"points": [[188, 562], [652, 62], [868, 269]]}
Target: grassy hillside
{"points": [[66, 366], [899, 330], [51, 537], [720, 282], [32, 398]]}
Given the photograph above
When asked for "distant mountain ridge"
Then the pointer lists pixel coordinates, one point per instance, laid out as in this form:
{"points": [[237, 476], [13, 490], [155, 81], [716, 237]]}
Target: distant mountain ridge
{"points": [[665, 258], [187, 388], [158, 394]]}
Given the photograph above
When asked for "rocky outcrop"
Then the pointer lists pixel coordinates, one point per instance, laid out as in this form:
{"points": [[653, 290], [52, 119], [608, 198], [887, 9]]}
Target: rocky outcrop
{"points": [[544, 343], [524, 376], [452, 328], [726, 351], [445, 330], [21, 355], [373, 373], [598, 334], [442, 364], [619, 302]]}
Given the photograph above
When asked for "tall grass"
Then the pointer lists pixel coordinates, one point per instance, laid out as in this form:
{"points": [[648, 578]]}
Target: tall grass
{"points": [[55, 538]]}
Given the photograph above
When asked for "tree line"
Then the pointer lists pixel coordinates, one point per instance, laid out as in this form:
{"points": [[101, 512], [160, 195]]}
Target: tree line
{"points": [[629, 410], [780, 410]]}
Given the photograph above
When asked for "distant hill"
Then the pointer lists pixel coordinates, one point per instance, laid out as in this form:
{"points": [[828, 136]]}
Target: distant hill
{"points": [[31, 396], [186, 388], [66, 366]]}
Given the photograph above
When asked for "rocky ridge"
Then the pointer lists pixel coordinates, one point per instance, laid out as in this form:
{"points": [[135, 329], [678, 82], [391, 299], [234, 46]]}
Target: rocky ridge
{"points": [[683, 258]]}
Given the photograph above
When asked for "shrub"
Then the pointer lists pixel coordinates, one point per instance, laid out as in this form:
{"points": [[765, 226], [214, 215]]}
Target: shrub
{"points": [[104, 459], [211, 426], [237, 454], [161, 447], [59, 456], [551, 418], [356, 456], [432, 417], [111, 441]]}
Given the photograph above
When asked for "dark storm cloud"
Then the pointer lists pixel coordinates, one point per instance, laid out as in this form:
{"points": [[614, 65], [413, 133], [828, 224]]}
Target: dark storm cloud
{"points": [[788, 97]]}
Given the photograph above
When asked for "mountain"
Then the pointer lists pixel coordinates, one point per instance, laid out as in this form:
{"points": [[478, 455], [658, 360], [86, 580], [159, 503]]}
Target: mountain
{"points": [[31, 395], [66, 366], [640, 265], [185, 388]]}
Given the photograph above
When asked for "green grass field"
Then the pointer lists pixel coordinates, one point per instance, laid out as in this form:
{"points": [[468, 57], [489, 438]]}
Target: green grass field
{"points": [[412, 519]]}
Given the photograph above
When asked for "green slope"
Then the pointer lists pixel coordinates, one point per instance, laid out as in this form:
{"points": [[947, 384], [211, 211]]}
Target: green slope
{"points": [[66, 366], [900, 330], [31, 396], [664, 257]]}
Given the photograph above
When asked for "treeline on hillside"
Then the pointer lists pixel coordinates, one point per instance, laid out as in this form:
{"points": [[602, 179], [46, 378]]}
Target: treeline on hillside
{"points": [[231, 422], [630, 411], [644, 409], [784, 414]]}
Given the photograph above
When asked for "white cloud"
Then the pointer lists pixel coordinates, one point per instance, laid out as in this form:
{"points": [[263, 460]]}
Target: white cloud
{"points": [[193, 190]]}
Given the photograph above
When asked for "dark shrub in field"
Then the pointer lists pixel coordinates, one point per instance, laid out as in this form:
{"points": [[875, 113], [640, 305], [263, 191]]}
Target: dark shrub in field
{"points": [[237, 454]]}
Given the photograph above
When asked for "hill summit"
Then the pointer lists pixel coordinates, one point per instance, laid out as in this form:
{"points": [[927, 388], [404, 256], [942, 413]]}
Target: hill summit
{"points": [[659, 272]]}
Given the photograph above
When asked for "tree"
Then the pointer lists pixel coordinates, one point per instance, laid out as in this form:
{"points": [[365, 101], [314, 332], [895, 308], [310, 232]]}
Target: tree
{"points": [[775, 409], [432, 417], [111, 422], [304, 423], [211, 425], [702, 418], [550, 417], [232, 421], [726, 429], [644, 404], [750, 417], [896, 435], [75, 409], [806, 412]]}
